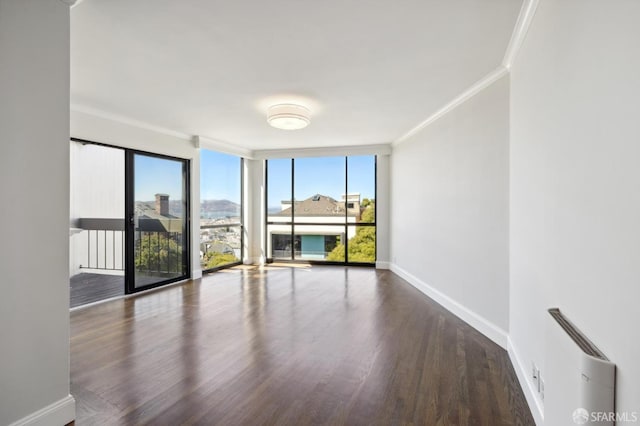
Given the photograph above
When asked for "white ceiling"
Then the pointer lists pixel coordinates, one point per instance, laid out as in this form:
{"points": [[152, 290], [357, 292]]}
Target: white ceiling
{"points": [[369, 70]]}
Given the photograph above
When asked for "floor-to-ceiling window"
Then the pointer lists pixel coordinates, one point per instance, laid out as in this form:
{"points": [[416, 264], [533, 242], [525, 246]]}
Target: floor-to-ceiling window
{"points": [[220, 210], [321, 209]]}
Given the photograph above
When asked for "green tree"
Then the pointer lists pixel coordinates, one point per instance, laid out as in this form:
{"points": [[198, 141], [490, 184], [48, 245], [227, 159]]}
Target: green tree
{"points": [[155, 251], [213, 259], [362, 246], [369, 214], [337, 254]]}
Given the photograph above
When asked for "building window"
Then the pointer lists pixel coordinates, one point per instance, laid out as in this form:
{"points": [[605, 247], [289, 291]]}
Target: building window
{"points": [[321, 209]]}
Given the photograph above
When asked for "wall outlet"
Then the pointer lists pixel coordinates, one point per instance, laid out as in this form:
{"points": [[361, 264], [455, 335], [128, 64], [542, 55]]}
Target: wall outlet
{"points": [[541, 388]]}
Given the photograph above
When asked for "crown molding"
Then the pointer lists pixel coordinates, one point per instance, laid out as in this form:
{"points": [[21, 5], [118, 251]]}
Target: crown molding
{"points": [[129, 121], [378, 149], [525, 17], [480, 85], [527, 12], [199, 141], [221, 146], [70, 3]]}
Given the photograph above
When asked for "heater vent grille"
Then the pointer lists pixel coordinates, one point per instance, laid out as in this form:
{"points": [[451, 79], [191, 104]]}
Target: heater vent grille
{"points": [[575, 334]]}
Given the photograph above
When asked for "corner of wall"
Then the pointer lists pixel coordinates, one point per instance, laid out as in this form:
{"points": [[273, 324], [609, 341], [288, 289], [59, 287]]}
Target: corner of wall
{"points": [[522, 372], [469, 93], [383, 265], [484, 326], [520, 30]]}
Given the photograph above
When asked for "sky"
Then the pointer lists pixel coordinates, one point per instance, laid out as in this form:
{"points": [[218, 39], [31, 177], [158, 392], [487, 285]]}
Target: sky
{"points": [[155, 175], [322, 175], [220, 177]]}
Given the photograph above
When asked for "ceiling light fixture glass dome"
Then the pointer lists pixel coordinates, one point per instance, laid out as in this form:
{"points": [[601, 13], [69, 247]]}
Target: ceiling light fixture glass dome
{"points": [[288, 116]]}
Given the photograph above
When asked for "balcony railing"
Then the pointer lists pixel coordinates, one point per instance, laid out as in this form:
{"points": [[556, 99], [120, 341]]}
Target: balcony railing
{"points": [[104, 244], [100, 246], [156, 252], [105, 250]]}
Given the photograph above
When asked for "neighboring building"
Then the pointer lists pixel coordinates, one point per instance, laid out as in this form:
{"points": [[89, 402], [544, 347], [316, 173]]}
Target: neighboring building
{"points": [[223, 240], [155, 217], [319, 226], [220, 230]]}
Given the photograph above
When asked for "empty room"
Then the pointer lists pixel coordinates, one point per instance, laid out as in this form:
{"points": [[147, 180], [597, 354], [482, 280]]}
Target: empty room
{"points": [[336, 213]]}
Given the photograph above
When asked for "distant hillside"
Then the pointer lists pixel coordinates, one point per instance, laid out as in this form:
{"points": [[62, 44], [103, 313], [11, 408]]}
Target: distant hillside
{"points": [[211, 206], [208, 208]]}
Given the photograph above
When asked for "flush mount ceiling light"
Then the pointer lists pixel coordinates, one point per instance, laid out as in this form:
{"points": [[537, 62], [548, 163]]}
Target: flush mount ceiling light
{"points": [[288, 116]]}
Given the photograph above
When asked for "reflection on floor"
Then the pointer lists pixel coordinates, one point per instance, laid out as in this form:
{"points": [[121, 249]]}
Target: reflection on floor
{"points": [[88, 288], [278, 345]]}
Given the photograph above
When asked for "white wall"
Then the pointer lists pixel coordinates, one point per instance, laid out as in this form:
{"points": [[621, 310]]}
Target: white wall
{"points": [[96, 191], [575, 182], [383, 211], [253, 204], [34, 135], [97, 181], [449, 210]]}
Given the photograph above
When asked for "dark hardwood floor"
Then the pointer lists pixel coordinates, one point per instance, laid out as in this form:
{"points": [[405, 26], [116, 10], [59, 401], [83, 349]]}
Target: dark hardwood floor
{"points": [[288, 346], [88, 288]]}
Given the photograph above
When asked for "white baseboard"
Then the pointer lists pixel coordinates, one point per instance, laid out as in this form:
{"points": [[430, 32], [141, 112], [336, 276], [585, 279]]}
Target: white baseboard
{"points": [[535, 405], [59, 413], [196, 273], [383, 265], [253, 261], [484, 326]]}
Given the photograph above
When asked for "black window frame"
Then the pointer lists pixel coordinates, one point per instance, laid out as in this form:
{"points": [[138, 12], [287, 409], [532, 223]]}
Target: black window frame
{"points": [[292, 223]]}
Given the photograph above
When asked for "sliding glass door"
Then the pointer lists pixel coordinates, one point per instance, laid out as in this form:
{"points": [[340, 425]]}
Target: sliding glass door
{"points": [[129, 221], [157, 211]]}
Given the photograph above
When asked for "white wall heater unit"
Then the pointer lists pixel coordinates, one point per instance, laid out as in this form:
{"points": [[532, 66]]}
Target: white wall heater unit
{"points": [[579, 379]]}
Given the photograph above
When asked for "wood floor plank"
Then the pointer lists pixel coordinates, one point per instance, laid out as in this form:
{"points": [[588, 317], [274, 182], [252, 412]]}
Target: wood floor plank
{"points": [[288, 346], [88, 288]]}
